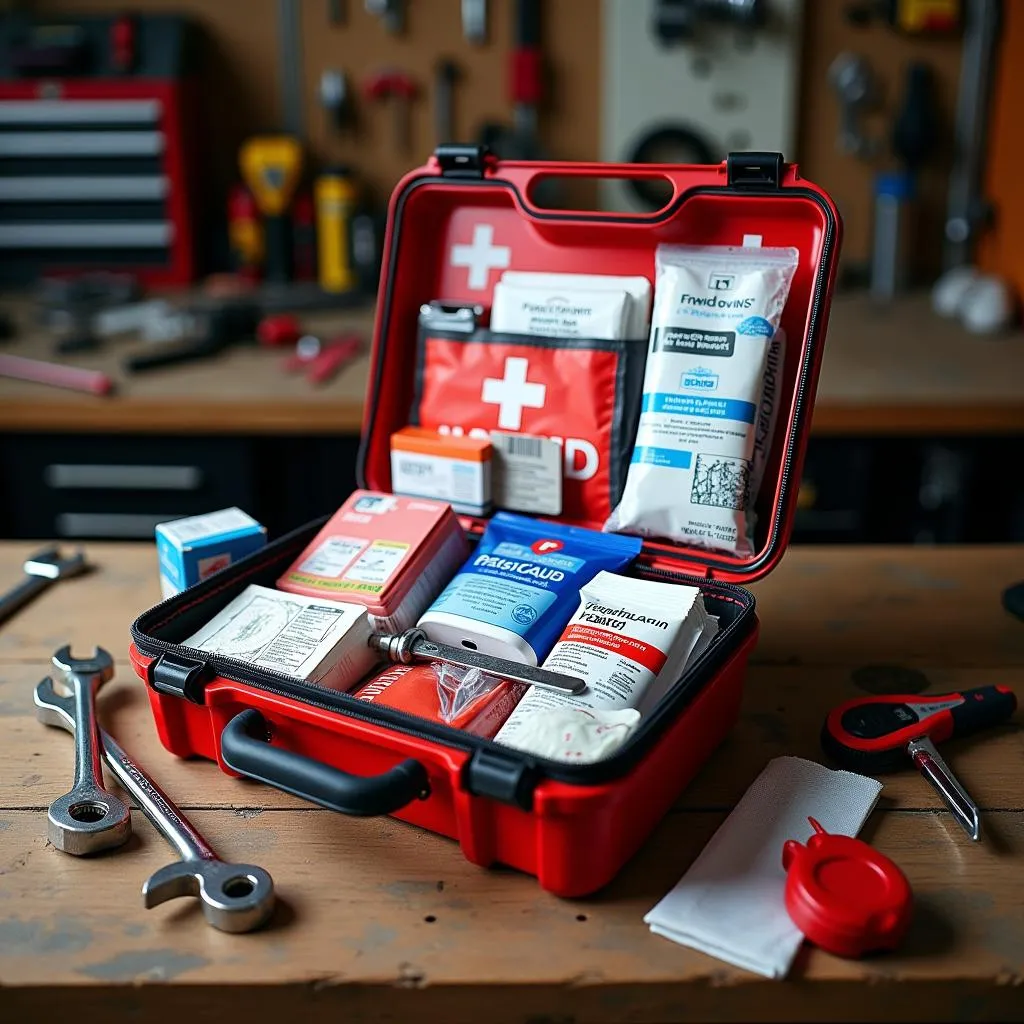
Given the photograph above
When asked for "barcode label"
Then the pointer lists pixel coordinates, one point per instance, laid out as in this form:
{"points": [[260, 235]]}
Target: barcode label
{"points": [[528, 447], [527, 473]]}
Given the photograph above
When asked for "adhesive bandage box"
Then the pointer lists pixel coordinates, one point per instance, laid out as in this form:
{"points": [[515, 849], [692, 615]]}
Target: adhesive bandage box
{"points": [[390, 553], [193, 548], [426, 464], [322, 642]]}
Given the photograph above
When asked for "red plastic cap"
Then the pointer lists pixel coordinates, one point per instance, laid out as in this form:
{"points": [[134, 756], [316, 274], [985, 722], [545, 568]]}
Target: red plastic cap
{"points": [[844, 895]]}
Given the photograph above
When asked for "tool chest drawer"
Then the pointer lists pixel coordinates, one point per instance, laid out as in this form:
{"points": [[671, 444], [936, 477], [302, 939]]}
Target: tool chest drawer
{"points": [[118, 487]]}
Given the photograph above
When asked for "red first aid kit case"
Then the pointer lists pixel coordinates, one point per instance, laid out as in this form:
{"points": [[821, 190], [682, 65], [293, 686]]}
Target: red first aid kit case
{"points": [[453, 226]]}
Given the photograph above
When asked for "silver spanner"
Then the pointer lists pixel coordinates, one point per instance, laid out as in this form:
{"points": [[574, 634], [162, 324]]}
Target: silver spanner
{"points": [[89, 818], [234, 897], [42, 569]]}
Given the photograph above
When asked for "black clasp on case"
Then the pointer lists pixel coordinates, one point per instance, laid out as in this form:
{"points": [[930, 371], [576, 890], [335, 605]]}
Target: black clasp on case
{"points": [[180, 677], [754, 170], [501, 778], [459, 161]]}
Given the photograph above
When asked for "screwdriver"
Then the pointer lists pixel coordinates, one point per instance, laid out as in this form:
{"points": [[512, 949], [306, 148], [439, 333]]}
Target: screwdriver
{"points": [[878, 734]]}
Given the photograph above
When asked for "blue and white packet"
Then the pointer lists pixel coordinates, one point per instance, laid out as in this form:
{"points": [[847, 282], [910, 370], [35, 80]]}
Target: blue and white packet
{"points": [[700, 445], [521, 585]]}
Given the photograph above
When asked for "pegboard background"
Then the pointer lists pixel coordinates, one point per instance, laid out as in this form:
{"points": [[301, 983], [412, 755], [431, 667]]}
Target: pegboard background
{"points": [[242, 93]]}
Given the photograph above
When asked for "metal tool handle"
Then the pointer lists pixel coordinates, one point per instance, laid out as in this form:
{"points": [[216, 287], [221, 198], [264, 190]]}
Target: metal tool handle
{"points": [[20, 594], [413, 645], [934, 768], [245, 749], [87, 741], [156, 804]]}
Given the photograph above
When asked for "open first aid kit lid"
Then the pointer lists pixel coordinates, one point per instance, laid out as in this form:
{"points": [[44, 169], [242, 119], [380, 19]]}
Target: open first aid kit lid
{"points": [[457, 225]]}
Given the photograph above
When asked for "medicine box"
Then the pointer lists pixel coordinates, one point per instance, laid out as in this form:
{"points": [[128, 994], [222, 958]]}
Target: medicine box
{"points": [[426, 464], [195, 547]]}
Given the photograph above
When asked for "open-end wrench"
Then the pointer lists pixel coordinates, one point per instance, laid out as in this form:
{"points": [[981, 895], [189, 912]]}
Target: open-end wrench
{"points": [[87, 819], [42, 569], [234, 897]]}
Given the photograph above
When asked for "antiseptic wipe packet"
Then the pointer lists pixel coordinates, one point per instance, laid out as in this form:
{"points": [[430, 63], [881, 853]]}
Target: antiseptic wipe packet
{"points": [[716, 311]]}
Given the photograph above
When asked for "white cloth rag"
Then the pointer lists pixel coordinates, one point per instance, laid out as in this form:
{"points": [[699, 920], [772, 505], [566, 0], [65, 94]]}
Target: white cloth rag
{"points": [[731, 902]]}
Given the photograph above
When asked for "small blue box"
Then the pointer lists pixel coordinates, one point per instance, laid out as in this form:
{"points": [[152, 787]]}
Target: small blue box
{"points": [[196, 547]]}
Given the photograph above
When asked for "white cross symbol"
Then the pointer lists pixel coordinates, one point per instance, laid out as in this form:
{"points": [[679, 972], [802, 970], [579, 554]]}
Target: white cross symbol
{"points": [[481, 257], [513, 393]]}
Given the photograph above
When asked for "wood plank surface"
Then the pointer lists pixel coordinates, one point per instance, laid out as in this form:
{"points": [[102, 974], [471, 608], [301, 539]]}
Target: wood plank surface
{"points": [[894, 371], [382, 920]]}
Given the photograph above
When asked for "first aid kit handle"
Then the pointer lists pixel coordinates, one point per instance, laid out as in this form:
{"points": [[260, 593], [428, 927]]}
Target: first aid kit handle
{"points": [[245, 748]]}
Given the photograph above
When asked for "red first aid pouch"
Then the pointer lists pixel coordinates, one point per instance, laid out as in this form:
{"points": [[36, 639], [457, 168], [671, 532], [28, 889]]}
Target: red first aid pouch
{"points": [[583, 393], [453, 226]]}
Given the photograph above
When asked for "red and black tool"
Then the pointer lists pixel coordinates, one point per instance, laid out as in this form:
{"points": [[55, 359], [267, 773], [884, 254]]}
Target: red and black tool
{"points": [[879, 734]]}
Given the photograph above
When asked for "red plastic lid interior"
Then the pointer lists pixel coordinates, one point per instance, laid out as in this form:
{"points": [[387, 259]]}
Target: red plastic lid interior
{"points": [[429, 218]]}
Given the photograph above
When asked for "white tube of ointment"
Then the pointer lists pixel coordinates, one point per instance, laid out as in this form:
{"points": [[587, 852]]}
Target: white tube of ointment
{"points": [[626, 634]]}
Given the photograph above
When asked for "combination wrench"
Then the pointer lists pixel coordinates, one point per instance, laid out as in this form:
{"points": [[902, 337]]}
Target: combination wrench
{"points": [[42, 569], [234, 897], [88, 819]]}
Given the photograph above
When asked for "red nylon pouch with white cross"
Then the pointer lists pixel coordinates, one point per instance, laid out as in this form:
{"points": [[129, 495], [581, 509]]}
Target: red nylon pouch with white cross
{"points": [[583, 393]]}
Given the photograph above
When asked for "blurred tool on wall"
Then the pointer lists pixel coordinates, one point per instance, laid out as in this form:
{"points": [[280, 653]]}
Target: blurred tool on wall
{"points": [[99, 121], [336, 195], [914, 139], [272, 166], [914, 17]]}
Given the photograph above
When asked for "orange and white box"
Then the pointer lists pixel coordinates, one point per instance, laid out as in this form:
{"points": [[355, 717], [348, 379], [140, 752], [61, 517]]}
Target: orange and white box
{"points": [[426, 464], [390, 553]]}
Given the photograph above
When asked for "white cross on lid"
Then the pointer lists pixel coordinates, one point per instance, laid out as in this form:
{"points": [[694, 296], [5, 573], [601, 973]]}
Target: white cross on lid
{"points": [[481, 257], [513, 393]]}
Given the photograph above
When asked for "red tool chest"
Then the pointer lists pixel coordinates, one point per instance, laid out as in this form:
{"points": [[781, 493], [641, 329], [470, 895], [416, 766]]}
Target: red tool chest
{"points": [[453, 226]]}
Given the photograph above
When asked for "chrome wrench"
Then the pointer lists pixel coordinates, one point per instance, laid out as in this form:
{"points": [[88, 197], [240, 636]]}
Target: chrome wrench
{"points": [[88, 819], [42, 569], [234, 897]]}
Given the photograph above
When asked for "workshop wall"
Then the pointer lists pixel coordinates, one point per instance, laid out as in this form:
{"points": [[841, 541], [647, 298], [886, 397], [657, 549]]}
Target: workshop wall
{"points": [[849, 179], [243, 95]]}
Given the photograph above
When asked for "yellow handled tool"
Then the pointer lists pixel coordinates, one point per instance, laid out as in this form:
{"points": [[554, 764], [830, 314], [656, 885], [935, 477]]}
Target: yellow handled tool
{"points": [[272, 167], [335, 194]]}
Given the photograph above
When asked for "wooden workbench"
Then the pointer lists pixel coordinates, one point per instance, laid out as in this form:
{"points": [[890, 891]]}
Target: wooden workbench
{"points": [[379, 920], [900, 370]]}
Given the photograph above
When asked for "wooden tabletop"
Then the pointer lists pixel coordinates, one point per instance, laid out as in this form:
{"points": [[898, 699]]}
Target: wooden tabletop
{"points": [[897, 370], [379, 920]]}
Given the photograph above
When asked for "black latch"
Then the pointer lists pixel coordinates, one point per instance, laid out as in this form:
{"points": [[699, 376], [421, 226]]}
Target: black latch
{"points": [[180, 677], [754, 170], [502, 778], [460, 161]]}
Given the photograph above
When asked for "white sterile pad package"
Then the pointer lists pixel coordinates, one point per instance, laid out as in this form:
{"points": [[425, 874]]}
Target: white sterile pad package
{"points": [[321, 641], [638, 289], [731, 902], [631, 640], [716, 312], [560, 312]]}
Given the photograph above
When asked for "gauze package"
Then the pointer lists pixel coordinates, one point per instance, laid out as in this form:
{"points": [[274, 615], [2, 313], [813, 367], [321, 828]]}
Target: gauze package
{"points": [[716, 312]]}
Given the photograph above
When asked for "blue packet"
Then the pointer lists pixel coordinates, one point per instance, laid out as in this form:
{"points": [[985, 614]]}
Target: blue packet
{"points": [[521, 586]]}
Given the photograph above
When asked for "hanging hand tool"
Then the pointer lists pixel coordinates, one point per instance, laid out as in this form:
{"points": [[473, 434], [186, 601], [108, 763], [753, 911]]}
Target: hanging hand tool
{"points": [[914, 17], [855, 85], [391, 13], [235, 897], [41, 570], [88, 819], [414, 645], [336, 12], [474, 21], [878, 734], [399, 89], [272, 166], [446, 74], [334, 97]]}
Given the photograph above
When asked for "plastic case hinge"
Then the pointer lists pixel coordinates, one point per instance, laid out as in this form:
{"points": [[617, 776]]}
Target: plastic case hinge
{"points": [[180, 677], [501, 778], [459, 161], [754, 170]]}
